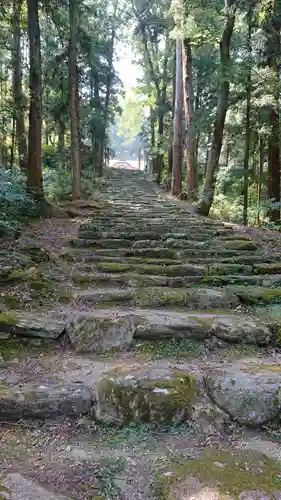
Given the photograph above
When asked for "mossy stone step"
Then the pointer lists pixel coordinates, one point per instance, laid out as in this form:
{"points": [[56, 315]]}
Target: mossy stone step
{"points": [[44, 401], [102, 330], [190, 298], [253, 295], [87, 255], [27, 324], [159, 396], [200, 298], [153, 269]]}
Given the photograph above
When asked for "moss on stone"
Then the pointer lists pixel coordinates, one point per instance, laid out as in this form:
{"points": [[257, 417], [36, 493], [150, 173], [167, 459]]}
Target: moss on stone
{"points": [[159, 297], [262, 368], [228, 472], [10, 301], [268, 268], [42, 284], [17, 275], [113, 267], [81, 279], [239, 245], [219, 269], [7, 318], [253, 295], [141, 398], [65, 297]]}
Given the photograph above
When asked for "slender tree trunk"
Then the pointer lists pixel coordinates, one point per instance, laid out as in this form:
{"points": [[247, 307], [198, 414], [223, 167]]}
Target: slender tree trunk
{"points": [[273, 56], [73, 108], [17, 86], [261, 163], [108, 90], [170, 152], [153, 142], [190, 149], [177, 139], [160, 137], [34, 171], [222, 106], [248, 118], [61, 139]]}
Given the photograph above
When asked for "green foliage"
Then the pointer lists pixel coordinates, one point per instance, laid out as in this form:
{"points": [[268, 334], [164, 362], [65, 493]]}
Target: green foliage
{"points": [[58, 183], [15, 204]]}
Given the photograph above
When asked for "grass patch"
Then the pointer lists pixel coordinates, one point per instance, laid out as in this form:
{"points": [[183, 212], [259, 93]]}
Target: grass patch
{"points": [[178, 349], [15, 349], [230, 473]]}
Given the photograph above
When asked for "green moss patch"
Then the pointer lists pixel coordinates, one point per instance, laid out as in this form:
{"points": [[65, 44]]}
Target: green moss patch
{"points": [[268, 268], [228, 472], [254, 295], [239, 245], [7, 318], [147, 397], [113, 267], [174, 348], [15, 276], [226, 269]]}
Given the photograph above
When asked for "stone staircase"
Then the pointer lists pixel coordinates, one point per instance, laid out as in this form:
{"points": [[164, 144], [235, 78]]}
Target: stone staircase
{"points": [[144, 271]]}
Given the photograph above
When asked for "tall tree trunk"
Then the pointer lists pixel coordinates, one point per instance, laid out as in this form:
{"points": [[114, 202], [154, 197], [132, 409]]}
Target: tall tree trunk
{"points": [[153, 142], [273, 57], [170, 152], [61, 133], [73, 103], [222, 106], [160, 136], [248, 117], [261, 163], [190, 138], [108, 90], [17, 86], [34, 171], [177, 138]]}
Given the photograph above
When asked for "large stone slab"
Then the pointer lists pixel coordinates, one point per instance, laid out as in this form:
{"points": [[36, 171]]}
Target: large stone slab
{"points": [[43, 401], [31, 325], [228, 327], [21, 488], [101, 330], [200, 298], [251, 395], [146, 394]]}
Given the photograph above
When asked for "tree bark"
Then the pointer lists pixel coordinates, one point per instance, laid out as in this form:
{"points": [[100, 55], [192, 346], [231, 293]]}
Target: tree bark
{"points": [[261, 163], [177, 137], [73, 102], [34, 170], [273, 57], [17, 86], [222, 106], [170, 152], [248, 118], [190, 138]]}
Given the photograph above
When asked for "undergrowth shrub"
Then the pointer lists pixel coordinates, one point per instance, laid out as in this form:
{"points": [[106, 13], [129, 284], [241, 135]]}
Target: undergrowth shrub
{"points": [[58, 183], [15, 204]]}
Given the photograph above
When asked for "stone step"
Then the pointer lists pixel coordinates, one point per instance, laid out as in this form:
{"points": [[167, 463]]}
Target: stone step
{"points": [[249, 259], [152, 269], [132, 279], [44, 401], [188, 298], [25, 324], [104, 329], [159, 394], [170, 253]]}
